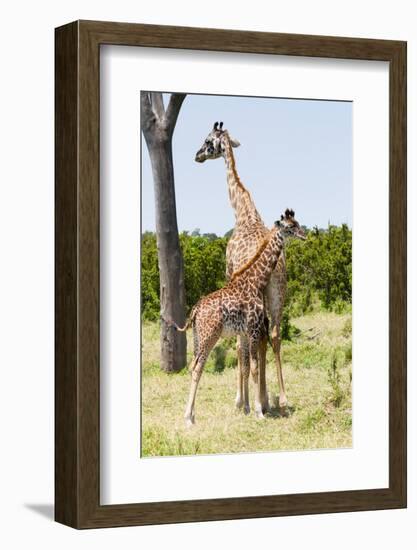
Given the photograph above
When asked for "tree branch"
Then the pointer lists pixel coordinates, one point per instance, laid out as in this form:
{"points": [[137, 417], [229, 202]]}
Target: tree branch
{"points": [[172, 111], [145, 104], [146, 113], [158, 105]]}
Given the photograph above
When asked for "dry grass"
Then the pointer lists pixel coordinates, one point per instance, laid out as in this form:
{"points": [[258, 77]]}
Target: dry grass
{"points": [[318, 383]]}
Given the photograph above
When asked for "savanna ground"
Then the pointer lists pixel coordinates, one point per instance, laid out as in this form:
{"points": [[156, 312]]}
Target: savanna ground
{"points": [[317, 371]]}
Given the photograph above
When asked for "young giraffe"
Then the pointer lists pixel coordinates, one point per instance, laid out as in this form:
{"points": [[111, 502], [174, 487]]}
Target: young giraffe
{"points": [[248, 233], [238, 309]]}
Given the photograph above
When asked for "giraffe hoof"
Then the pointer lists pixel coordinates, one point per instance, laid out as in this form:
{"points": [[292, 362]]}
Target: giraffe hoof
{"points": [[283, 403], [238, 403], [259, 415], [190, 421], [266, 408], [246, 409]]}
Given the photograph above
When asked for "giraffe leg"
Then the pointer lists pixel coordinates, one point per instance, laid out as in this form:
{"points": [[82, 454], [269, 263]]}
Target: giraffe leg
{"points": [[254, 368], [276, 345], [244, 373], [262, 374], [239, 377], [196, 369]]}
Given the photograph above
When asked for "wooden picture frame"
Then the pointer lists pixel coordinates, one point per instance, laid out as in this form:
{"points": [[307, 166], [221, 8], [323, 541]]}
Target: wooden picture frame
{"points": [[77, 359]]}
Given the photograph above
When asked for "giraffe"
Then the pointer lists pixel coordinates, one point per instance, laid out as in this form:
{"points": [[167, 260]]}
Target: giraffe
{"points": [[238, 308], [248, 233]]}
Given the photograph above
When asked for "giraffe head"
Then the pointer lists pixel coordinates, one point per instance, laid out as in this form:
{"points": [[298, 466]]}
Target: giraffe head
{"points": [[289, 226], [214, 144]]}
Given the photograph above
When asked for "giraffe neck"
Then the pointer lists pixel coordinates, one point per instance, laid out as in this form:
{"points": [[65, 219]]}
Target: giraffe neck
{"points": [[240, 199], [258, 273]]}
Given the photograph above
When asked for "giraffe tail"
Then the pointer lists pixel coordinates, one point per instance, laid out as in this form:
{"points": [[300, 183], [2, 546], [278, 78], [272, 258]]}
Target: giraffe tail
{"points": [[187, 325], [173, 324]]}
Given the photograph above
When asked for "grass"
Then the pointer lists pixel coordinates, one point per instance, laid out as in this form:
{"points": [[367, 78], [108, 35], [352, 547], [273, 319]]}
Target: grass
{"points": [[317, 372]]}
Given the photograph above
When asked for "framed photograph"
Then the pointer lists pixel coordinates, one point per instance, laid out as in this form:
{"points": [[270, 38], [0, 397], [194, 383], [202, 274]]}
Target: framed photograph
{"points": [[234, 202]]}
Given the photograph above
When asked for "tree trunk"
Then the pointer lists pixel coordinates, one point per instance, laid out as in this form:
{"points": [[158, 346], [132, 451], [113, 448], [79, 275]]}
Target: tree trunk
{"points": [[158, 129]]}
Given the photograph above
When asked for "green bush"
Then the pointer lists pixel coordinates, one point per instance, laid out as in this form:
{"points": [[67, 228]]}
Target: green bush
{"points": [[320, 266], [288, 331], [230, 361]]}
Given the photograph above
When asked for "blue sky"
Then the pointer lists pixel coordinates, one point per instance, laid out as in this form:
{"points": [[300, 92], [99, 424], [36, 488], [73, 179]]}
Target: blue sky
{"points": [[294, 153]]}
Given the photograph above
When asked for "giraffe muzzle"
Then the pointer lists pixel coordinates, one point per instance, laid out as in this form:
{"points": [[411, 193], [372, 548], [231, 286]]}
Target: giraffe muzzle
{"points": [[200, 157]]}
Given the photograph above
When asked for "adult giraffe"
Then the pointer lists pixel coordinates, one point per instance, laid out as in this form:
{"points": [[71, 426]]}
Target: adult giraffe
{"points": [[249, 232]]}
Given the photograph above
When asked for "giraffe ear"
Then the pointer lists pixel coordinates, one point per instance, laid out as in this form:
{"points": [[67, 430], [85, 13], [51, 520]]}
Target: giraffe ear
{"points": [[233, 142], [277, 223]]}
